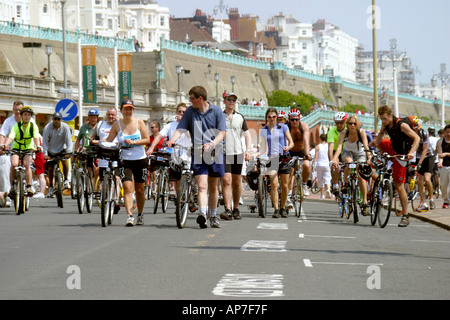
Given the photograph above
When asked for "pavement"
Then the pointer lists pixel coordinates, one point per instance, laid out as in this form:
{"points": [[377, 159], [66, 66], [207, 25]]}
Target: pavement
{"points": [[439, 216]]}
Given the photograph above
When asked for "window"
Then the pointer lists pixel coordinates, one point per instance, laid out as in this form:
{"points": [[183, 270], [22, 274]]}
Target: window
{"points": [[304, 32], [304, 45], [162, 21], [150, 37], [19, 11], [110, 24], [109, 4], [45, 8], [293, 46], [98, 2], [98, 19]]}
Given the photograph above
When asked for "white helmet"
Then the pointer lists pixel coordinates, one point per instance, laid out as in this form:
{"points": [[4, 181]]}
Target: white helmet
{"points": [[340, 116]]}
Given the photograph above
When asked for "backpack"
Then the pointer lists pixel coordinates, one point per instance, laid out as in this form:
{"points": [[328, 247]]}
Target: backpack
{"points": [[406, 141]]}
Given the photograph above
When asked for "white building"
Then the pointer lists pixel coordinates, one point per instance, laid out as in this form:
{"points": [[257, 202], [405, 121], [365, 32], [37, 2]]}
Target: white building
{"points": [[334, 50], [294, 42]]}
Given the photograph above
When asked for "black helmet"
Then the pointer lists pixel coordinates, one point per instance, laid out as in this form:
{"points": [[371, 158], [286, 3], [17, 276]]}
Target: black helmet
{"points": [[365, 171]]}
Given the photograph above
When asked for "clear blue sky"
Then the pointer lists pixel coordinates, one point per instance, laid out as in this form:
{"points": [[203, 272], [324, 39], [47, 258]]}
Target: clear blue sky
{"points": [[421, 27]]}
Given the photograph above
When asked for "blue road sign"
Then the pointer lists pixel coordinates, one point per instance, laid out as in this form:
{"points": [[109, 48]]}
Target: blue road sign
{"points": [[68, 109]]}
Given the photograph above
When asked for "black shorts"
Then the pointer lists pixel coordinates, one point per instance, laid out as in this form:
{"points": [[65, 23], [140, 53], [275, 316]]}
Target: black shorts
{"points": [[234, 163], [133, 168], [427, 165]]}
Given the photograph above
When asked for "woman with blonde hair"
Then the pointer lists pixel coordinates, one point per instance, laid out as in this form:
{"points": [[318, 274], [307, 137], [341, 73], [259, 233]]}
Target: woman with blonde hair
{"points": [[354, 150]]}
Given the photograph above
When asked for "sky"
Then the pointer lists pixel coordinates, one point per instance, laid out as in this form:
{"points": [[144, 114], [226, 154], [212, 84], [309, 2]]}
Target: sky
{"points": [[421, 27]]}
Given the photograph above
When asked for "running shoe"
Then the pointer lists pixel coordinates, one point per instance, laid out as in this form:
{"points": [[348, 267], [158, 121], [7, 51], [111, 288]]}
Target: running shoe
{"points": [[283, 213], [432, 205], [276, 214], [226, 215], [130, 221], [214, 222], [236, 214], [39, 195], [422, 208], [201, 220], [445, 205], [404, 222], [140, 219]]}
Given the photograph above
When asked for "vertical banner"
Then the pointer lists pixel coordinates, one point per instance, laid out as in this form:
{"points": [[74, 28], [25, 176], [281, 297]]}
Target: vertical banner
{"points": [[89, 75], [124, 62]]}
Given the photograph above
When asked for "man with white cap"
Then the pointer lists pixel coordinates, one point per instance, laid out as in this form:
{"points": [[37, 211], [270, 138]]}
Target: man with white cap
{"points": [[235, 155]]}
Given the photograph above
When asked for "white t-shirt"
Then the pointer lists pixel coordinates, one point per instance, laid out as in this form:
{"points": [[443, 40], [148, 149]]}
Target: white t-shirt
{"points": [[103, 132], [168, 131]]}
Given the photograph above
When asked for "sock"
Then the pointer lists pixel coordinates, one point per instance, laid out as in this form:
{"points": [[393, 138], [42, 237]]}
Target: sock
{"points": [[202, 211], [213, 212]]}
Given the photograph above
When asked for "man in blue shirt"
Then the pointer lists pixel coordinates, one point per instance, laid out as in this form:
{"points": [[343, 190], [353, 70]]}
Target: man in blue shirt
{"points": [[207, 127]]}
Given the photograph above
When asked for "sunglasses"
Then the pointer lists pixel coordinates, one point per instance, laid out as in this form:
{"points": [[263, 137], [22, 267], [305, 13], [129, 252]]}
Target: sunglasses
{"points": [[192, 98], [57, 119], [294, 119], [271, 117], [351, 123], [231, 100]]}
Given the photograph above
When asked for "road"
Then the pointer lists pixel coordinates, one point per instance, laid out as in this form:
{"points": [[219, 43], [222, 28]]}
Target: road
{"points": [[52, 253]]}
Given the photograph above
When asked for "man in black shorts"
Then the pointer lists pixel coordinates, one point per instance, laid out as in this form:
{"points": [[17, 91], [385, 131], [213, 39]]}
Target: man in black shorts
{"points": [[235, 155], [425, 162]]}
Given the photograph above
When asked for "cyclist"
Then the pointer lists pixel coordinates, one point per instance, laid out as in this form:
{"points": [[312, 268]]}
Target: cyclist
{"points": [[56, 140], [206, 124], [299, 131], [25, 137], [425, 165], [276, 141], [403, 141], [353, 150], [132, 132], [235, 155], [82, 142], [281, 117], [333, 141], [5, 159]]}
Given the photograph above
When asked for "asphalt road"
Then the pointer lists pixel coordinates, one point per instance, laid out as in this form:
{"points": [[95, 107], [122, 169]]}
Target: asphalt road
{"points": [[51, 253]]}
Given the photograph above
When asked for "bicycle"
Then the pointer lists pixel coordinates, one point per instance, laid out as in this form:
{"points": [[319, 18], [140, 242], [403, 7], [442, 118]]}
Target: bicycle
{"points": [[342, 198], [352, 190], [383, 190], [181, 158], [297, 192], [19, 186], [109, 151], [162, 159], [84, 187], [58, 177], [263, 192]]}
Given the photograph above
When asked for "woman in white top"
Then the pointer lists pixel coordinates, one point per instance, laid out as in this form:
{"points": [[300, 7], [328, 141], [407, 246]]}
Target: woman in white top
{"points": [[322, 166], [133, 133], [353, 151]]}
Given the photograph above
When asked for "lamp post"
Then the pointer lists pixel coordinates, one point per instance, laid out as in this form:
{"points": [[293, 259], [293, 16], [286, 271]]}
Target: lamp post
{"points": [[216, 77], [443, 76], [233, 80], [178, 71], [48, 52], [63, 21], [393, 55]]}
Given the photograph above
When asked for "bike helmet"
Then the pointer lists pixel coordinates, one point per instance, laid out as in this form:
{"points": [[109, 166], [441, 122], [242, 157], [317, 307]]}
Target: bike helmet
{"points": [[340, 116], [295, 113], [93, 112], [281, 114], [26, 109], [365, 171]]}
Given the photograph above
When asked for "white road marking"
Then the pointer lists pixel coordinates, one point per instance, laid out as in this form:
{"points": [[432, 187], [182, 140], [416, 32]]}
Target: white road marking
{"points": [[265, 245], [308, 263], [301, 235], [250, 285], [272, 226]]}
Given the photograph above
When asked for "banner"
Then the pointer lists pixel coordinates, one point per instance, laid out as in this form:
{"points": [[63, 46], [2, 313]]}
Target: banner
{"points": [[89, 75], [124, 61]]}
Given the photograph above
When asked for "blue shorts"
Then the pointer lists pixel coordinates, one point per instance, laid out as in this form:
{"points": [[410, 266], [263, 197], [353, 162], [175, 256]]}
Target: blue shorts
{"points": [[214, 170]]}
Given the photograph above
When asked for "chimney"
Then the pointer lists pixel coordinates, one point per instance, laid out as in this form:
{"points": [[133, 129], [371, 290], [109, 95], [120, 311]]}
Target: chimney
{"points": [[233, 16]]}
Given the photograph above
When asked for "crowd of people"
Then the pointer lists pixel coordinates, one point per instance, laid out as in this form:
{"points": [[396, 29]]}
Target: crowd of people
{"points": [[221, 146]]}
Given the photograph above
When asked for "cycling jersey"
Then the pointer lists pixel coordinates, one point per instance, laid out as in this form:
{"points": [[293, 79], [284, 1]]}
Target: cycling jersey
{"points": [[23, 136]]}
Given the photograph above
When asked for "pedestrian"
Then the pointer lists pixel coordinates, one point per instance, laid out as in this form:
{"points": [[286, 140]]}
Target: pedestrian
{"points": [[132, 132], [322, 166], [43, 74], [425, 166], [235, 155], [206, 124], [403, 141], [443, 151]]}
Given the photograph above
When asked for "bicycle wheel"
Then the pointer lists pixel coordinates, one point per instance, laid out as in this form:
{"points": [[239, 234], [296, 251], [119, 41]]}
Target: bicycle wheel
{"points": [[89, 194], [58, 187], [315, 186], [184, 194], [106, 199], [158, 182], [262, 201], [384, 204], [165, 193], [298, 195], [355, 201], [81, 203], [73, 183], [374, 202]]}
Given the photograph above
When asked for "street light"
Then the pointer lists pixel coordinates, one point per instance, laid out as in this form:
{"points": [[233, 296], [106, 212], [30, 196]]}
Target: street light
{"points": [[216, 77], [393, 55], [233, 80], [63, 21], [178, 70], [443, 76], [48, 52]]}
